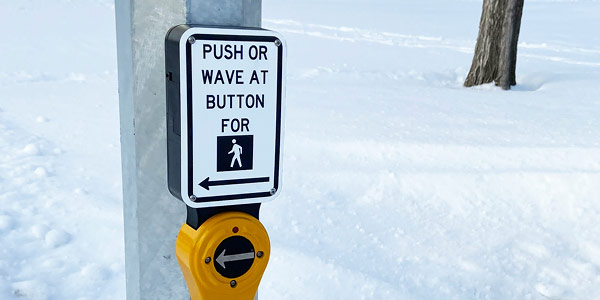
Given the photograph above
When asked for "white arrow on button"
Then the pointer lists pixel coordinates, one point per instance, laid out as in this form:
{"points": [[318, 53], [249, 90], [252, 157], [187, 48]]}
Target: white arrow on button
{"points": [[222, 258]]}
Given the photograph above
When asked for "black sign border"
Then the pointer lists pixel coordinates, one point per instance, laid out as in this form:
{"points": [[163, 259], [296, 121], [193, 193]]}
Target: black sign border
{"points": [[232, 38]]}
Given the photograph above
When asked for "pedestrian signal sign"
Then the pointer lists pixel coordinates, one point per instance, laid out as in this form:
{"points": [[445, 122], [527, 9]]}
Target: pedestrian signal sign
{"points": [[235, 152], [225, 90]]}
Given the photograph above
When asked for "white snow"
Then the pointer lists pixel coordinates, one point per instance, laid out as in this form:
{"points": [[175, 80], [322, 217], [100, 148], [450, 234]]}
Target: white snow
{"points": [[56, 238], [399, 182]]}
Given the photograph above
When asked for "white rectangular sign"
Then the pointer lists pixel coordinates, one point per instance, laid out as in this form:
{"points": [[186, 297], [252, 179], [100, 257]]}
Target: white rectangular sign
{"points": [[232, 90]]}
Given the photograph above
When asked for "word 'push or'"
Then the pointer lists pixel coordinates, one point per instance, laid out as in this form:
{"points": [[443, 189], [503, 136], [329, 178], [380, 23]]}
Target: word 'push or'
{"points": [[234, 51]]}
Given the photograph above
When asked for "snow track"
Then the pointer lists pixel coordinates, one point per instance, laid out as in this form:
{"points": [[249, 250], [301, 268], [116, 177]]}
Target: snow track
{"points": [[358, 35]]}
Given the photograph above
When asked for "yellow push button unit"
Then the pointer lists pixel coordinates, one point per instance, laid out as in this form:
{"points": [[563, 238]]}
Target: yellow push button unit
{"points": [[225, 258]]}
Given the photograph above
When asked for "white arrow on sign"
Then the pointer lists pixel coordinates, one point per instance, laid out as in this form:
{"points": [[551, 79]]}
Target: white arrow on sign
{"points": [[222, 258]]}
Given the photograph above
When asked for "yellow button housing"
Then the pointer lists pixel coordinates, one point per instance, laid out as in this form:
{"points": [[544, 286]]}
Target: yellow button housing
{"points": [[195, 251]]}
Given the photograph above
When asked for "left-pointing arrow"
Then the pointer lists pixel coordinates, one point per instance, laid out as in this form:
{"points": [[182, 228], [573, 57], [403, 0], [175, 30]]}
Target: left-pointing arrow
{"points": [[222, 258], [207, 183]]}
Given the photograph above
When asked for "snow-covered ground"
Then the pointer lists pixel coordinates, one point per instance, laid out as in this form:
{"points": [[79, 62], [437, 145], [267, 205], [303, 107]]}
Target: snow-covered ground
{"points": [[399, 182]]}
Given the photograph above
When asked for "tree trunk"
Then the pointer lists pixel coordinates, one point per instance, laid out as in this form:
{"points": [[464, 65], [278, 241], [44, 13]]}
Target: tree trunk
{"points": [[495, 57]]}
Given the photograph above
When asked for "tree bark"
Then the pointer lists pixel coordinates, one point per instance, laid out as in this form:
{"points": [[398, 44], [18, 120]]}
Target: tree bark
{"points": [[495, 57]]}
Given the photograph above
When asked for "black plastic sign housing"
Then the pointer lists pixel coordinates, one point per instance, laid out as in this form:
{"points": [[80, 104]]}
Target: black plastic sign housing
{"points": [[225, 96]]}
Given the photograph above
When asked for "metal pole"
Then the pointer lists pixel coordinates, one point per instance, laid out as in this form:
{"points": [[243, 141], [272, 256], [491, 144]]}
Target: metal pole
{"points": [[152, 216]]}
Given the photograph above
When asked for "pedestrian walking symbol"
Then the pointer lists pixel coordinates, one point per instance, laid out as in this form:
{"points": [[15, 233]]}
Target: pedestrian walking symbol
{"points": [[235, 153]]}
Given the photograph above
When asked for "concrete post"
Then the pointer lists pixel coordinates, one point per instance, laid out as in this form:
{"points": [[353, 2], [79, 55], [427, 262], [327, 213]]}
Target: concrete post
{"points": [[152, 216]]}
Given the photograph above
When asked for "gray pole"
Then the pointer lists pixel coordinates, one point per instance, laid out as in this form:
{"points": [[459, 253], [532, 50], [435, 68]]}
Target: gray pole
{"points": [[152, 216]]}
